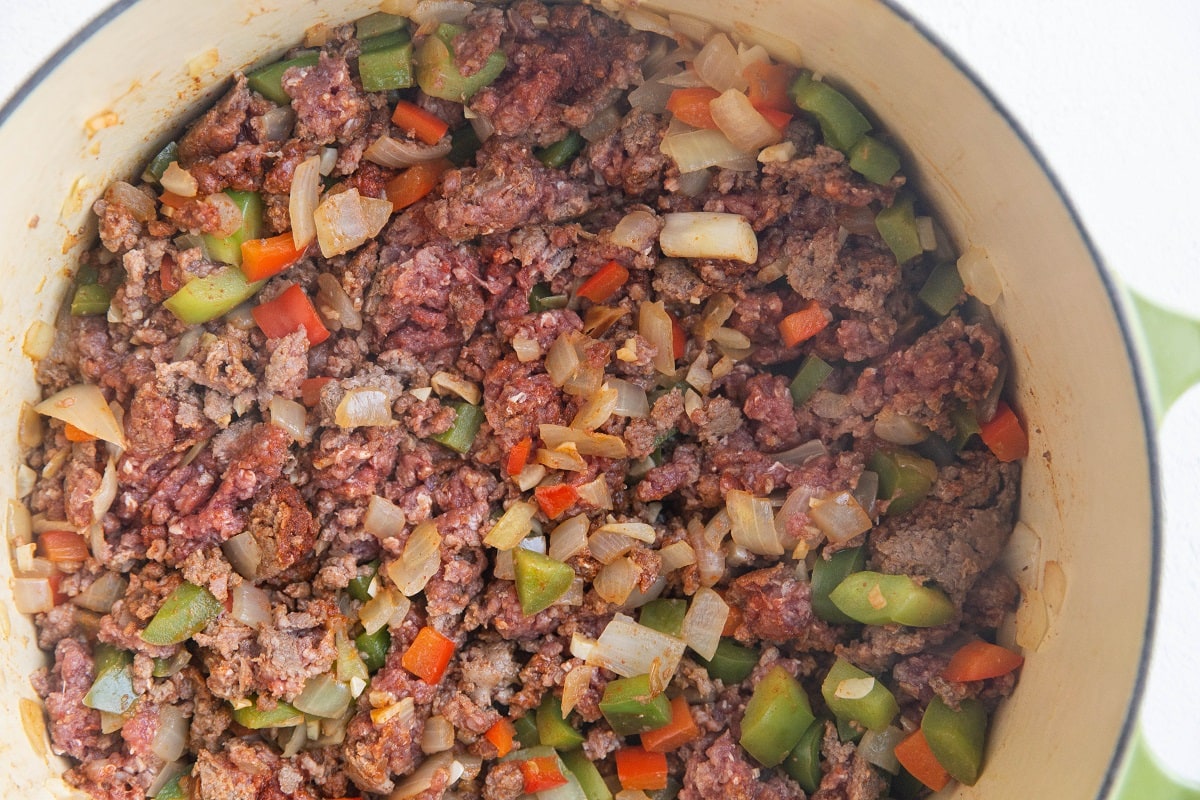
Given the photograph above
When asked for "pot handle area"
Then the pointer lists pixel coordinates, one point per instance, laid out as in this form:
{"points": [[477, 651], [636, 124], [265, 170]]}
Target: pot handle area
{"points": [[1143, 778], [1171, 347]]}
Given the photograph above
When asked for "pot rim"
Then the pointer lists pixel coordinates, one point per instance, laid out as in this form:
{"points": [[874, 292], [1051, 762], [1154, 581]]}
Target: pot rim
{"points": [[1142, 371]]}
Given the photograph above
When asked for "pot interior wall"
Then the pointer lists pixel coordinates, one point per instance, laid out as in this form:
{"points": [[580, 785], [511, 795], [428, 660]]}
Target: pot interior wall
{"points": [[101, 111]]}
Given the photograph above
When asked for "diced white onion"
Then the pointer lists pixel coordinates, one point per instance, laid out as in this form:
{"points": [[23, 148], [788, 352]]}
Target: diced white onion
{"points": [[569, 538], [631, 399], [752, 521], [336, 306], [32, 595], [777, 153], [641, 531], [629, 649], [1022, 556], [926, 234], [606, 547], [20, 523], [323, 697], [575, 684], [504, 569], [694, 183], [138, 202], [603, 123], [573, 596], [802, 453], [84, 406], [677, 555], [363, 407], [383, 518], [385, 608], [420, 560], [588, 443], [39, 338], [879, 748], [688, 79], [345, 220], [651, 96], [637, 230], [562, 360], [730, 339], [979, 276], [302, 200], [418, 783], [797, 502], [755, 54], [438, 735], [445, 383], [430, 12], [654, 324], [243, 552], [899, 429], [565, 457], [530, 477], [587, 380], [704, 621], [526, 349], [596, 493], [398, 153], [168, 773], [581, 646], [708, 234], [170, 740], [251, 606], [697, 150], [106, 492], [596, 410], [178, 180], [101, 593], [403, 711], [289, 415], [741, 122], [718, 64], [615, 581], [839, 517], [854, 688], [513, 526]]}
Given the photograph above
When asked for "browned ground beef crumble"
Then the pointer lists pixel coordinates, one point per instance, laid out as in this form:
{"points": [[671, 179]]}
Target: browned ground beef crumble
{"points": [[445, 287]]}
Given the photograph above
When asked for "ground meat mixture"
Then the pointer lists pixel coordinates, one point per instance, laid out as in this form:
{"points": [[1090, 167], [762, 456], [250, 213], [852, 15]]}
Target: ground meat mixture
{"points": [[516, 419]]}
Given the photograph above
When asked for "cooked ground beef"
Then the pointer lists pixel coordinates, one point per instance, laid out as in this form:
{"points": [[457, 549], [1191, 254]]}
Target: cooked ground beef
{"points": [[316, 505]]}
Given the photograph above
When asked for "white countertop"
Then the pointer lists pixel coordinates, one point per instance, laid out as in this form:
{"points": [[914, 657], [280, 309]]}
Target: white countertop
{"points": [[1108, 92]]}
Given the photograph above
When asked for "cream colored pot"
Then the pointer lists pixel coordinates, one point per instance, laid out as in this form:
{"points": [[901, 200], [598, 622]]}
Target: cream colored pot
{"points": [[126, 84]]}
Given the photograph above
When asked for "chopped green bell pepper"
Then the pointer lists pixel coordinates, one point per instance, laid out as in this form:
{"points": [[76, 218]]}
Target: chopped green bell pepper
{"points": [[112, 690], [804, 762], [540, 579], [461, 434], [526, 728], [173, 789], [904, 478], [268, 80], [214, 295], [360, 587], [936, 449], [385, 62], [158, 165], [842, 124], [553, 729], [90, 300], [166, 667], [906, 787], [540, 299], [811, 375], [439, 76], [874, 160], [827, 573], [897, 224], [956, 737], [849, 732], [874, 710], [283, 715], [228, 249], [378, 24], [184, 613], [664, 616], [373, 647], [630, 707], [943, 289], [966, 425], [874, 598], [590, 780], [776, 718], [732, 663], [558, 154]]}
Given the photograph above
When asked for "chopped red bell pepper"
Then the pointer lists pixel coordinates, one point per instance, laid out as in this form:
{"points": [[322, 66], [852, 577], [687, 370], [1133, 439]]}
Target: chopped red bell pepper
{"points": [[74, 434], [604, 283], [414, 183], [638, 768], [59, 546], [556, 499], [769, 86], [1004, 435], [803, 324], [690, 105], [290, 310], [778, 119], [678, 337], [675, 734], [501, 735], [416, 121], [541, 773], [310, 390], [979, 660], [428, 656], [518, 456], [263, 258], [914, 755]]}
